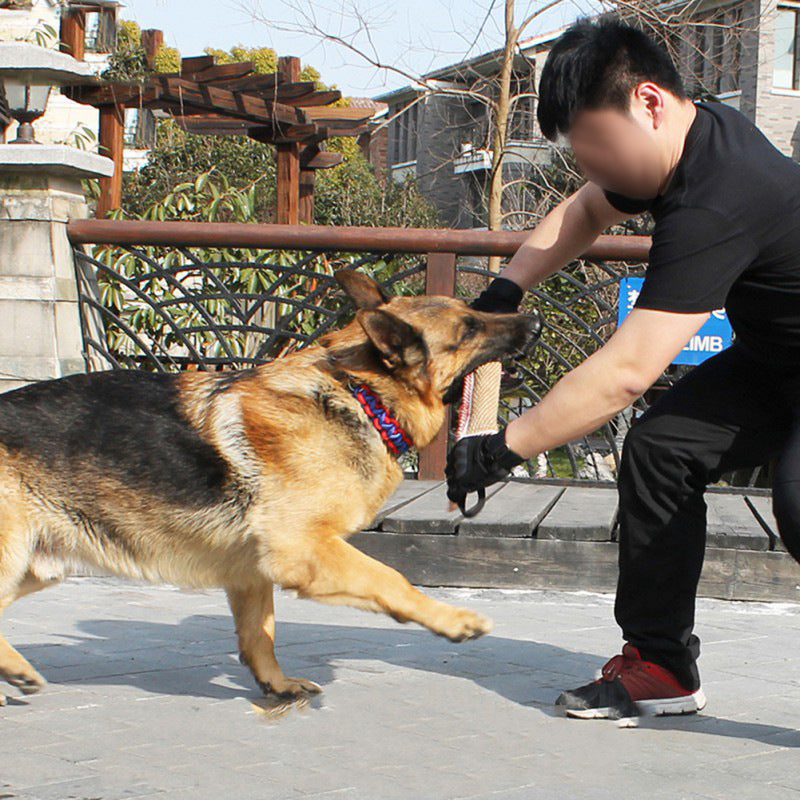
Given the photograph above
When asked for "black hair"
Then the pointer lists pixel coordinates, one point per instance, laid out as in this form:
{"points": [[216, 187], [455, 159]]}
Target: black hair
{"points": [[596, 65]]}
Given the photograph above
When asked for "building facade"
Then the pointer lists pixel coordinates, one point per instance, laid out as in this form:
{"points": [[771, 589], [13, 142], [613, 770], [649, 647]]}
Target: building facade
{"points": [[745, 53], [65, 121], [440, 131]]}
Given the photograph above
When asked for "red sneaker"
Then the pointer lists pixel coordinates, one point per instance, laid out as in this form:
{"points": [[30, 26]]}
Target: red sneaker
{"points": [[630, 686]]}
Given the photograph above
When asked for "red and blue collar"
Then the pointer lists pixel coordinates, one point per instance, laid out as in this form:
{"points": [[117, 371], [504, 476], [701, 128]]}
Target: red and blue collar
{"points": [[393, 435]]}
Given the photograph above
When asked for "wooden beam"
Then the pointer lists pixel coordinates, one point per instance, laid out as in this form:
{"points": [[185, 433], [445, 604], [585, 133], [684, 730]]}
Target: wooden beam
{"points": [[311, 157], [460, 241], [110, 137], [73, 32], [130, 95], [314, 98], [237, 104], [340, 114], [220, 72], [253, 83], [333, 130], [196, 63], [282, 134], [213, 124]]}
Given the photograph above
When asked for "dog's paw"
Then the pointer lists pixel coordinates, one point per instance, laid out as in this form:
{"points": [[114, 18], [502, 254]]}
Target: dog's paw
{"points": [[465, 625], [27, 682], [287, 688]]}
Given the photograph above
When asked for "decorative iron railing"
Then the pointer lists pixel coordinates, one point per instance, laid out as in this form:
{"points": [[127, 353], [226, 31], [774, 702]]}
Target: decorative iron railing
{"points": [[167, 309], [173, 296]]}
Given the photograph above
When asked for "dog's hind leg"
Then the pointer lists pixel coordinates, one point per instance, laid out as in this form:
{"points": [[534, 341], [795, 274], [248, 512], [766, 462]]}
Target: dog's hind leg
{"points": [[340, 574], [16, 580], [254, 613], [14, 667]]}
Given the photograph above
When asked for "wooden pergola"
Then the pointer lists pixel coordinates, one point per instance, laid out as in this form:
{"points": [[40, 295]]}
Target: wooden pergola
{"points": [[232, 99]]}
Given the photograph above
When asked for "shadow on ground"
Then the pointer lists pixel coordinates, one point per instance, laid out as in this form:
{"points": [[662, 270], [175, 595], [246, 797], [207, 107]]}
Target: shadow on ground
{"points": [[197, 658]]}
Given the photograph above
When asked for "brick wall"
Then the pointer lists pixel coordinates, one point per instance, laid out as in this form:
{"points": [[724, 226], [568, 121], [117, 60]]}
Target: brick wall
{"points": [[443, 124], [777, 110]]}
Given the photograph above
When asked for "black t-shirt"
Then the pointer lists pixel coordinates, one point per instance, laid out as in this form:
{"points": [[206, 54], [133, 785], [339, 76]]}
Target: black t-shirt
{"points": [[727, 233]]}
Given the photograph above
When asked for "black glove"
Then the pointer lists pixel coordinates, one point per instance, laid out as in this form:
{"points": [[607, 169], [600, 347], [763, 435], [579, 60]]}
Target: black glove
{"points": [[476, 462], [501, 296]]}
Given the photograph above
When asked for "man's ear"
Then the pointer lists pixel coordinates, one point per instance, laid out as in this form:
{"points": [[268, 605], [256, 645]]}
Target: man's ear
{"points": [[366, 292], [399, 344]]}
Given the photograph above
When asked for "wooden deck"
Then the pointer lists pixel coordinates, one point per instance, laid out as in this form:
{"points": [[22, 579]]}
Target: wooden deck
{"points": [[550, 535]]}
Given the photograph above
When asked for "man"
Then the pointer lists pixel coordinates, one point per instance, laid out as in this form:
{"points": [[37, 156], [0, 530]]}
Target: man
{"points": [[726, 206]]}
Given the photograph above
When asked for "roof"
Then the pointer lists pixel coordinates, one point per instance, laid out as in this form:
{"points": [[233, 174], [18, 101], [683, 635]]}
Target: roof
{"points": [[367, 102], [93, 5], [395, 94], [205, 97], [475, 64]]}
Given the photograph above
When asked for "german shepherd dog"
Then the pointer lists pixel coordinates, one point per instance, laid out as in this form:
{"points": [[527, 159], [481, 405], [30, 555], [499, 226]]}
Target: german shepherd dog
{"points": [[240, 479]]}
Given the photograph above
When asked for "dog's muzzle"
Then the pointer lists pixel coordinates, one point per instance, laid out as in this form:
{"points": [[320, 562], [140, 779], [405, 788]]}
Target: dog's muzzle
{"points": [[529, 335]]}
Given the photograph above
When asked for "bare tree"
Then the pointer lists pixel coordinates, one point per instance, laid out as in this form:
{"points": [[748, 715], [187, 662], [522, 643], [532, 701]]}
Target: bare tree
{"points": [[491, 98], [495, 99]]}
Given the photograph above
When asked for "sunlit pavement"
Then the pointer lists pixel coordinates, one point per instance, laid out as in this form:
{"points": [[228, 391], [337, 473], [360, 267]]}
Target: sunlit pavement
{"points": [[147, 699]]}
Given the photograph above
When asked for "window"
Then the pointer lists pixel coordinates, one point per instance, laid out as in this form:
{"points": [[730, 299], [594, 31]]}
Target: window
{"points": [[707, 49], [140, 129], [520, 123], [101, 31], [785, 72], [403, 132]]}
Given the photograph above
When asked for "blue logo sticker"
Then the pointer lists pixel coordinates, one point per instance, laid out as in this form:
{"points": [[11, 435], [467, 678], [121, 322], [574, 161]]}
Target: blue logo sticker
{"points": [[711, 339]]}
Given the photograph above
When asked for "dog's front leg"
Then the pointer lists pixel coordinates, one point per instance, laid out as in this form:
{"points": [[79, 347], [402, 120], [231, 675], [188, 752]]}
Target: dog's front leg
{"points": [[14, 668], [336, 572], [254, 613]]}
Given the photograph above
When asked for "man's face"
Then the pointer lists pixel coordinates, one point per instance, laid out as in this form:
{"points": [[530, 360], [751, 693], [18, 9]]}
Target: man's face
{"points": [[619, 150]]}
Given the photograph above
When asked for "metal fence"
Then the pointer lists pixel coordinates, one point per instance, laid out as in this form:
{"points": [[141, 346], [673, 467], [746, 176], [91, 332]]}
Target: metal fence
{"points": [[183, 296]]}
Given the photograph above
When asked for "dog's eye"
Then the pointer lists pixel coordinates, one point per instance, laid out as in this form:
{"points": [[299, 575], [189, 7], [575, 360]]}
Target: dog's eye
{"points": [[471, 327]]}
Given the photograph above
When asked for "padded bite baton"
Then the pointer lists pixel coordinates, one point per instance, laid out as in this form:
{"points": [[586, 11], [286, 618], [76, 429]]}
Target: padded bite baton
{"points": [[477, 415]]}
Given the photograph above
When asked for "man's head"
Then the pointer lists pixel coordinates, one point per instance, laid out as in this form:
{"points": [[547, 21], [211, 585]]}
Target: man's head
{"points": [[620, 101]]}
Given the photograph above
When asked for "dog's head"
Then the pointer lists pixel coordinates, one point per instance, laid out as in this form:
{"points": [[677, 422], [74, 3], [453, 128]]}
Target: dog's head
{"points": [[432, 342]]}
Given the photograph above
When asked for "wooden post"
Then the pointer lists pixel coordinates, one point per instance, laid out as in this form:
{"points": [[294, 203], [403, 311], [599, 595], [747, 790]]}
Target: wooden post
{"points": [[440, 278], [288, 184], [287, 189], [111, 140], [306, 208], [152, 41], [73, 32]]}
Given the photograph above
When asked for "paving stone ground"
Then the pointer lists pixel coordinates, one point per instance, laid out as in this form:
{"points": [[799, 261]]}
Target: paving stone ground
{"points": [[148, 700]]}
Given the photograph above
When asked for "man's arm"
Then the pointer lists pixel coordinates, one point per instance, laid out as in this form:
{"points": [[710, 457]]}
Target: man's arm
{"points": [[606, 382], [563, 235]]}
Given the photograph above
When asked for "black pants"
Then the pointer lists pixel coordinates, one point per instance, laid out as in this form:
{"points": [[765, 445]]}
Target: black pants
{"points": [[729, 412]]}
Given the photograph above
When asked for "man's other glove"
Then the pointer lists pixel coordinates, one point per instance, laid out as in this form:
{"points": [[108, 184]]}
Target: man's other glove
{"points": [[476, 462], [501, 296]]}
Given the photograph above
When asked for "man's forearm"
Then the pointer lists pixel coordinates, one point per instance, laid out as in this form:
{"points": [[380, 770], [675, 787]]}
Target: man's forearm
{"points": [[581, 402], [563, 235], [606, 382]]}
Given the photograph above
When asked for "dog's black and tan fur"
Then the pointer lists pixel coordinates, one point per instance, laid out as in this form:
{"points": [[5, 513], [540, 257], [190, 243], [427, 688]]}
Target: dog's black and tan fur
{"points": [[238, 479]]}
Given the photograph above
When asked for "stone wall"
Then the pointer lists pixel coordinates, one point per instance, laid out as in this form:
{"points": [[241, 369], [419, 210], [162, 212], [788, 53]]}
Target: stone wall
{"points": [[40, 336]]}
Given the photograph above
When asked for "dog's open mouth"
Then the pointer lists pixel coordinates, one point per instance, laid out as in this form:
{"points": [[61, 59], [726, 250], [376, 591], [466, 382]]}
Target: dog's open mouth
{"points": [[456, 388], [508, 357]]}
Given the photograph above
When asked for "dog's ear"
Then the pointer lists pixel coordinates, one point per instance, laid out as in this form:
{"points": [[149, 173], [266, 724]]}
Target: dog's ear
{"points": [[399, 344], [366, 292]]}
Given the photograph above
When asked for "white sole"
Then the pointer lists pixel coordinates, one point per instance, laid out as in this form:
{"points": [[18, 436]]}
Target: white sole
{"points": [[589, 713], [690, 704]]}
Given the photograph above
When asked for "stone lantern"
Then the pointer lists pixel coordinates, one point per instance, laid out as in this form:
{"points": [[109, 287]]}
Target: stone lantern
{"points": [[40, 191]]}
